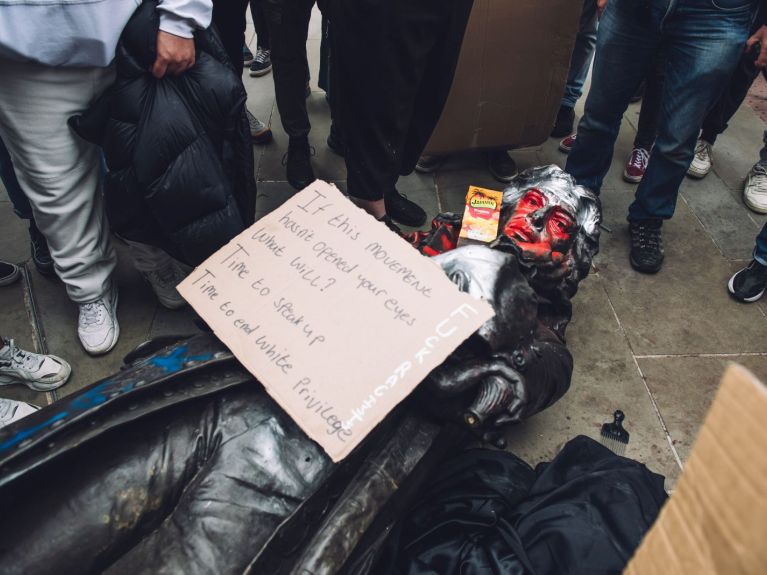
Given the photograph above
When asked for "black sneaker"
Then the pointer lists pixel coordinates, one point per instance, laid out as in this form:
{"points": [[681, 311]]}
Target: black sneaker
{"points": [[646, 246], [336, 141], [9, 273], [40, 253], [298, 165], [261, 64], [402, 210], [749, 284], [501, 166], [563, 125]]}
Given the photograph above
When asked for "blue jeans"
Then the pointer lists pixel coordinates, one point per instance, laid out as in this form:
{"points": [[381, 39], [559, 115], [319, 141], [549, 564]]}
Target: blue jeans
{"points": [[8, 176], [703, 41], [580, 61], [760, 251]]}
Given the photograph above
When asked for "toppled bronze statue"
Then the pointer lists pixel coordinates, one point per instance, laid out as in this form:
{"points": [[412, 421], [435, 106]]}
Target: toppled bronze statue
{"points": [[181, 463]]}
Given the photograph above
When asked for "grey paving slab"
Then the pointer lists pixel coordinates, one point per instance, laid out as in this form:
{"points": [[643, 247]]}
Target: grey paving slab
{"points": [[685, 308], [605, 379], [724, 216], [14, 238], [684, 388], [272, 195]]}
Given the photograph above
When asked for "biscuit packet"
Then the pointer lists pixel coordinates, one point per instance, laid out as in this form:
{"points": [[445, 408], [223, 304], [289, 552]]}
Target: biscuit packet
{"points": [[481, 215]]}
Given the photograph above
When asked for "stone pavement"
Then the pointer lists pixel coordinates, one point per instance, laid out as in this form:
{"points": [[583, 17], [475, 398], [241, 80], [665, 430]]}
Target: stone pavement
{"points": [[653, 346]]}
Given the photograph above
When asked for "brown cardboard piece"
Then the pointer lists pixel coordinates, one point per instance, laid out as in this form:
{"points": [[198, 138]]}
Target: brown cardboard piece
{"points": [[336, 316], [510, 75], [716, 520]]}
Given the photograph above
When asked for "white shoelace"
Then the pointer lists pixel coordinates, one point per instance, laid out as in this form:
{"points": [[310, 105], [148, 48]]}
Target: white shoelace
{"points": [[262, 56], [639, 158], [702, 150], [92, 313], [759, 179], [18, 358]]}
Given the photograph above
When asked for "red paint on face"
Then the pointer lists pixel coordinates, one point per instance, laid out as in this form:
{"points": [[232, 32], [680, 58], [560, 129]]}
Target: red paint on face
{"points": [[541, 230]]}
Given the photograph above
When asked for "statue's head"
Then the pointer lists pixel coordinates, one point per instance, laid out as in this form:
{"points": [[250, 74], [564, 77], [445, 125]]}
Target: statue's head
{"points": [[551, 224]]}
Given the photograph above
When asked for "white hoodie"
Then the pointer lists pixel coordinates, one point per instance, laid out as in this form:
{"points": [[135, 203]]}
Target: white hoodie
{"points": [[84, 33]]}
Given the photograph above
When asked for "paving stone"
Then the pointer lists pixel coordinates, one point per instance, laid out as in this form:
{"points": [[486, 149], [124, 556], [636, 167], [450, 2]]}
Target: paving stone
{"points": [[684, 388], [605, 379], [725, 218], [14, 239], [685, 308]]}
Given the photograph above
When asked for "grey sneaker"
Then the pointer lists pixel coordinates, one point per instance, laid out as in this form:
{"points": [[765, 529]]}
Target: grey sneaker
{"points": [[260, 133], [164, 282], [702, 161], [35, 370], [755, 190], [97, 325], [11, 411]]}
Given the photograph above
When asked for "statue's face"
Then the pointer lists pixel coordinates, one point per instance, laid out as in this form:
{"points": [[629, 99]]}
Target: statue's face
{"points": [[542, 226]]}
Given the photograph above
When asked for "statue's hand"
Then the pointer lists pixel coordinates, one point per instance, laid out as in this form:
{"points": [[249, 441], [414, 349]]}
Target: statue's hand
{"points": [[500, 391]]}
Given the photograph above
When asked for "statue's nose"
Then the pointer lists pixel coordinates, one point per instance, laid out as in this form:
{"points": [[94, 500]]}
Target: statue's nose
{"points": [[538, 218]]}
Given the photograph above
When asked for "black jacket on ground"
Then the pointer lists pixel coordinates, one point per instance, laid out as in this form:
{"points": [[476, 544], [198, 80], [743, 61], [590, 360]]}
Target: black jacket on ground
{"points": [[178, 149]]}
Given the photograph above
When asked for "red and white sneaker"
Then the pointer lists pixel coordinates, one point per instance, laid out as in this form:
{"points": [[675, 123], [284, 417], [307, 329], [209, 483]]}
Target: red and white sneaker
{"points": [[636, 165], [567, 144]]}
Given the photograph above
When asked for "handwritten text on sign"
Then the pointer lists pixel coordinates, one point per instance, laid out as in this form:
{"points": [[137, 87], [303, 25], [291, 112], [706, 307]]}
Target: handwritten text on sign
{"points": [[337, 317]]}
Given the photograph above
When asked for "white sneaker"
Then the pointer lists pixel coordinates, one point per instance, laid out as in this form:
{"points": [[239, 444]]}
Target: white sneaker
{"points": [[36, 371], [702, 161], [11, 411], [755, 191], [164, 282], [97, 326]]}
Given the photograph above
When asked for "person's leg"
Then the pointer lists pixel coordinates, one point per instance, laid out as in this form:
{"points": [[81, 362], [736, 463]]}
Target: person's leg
{"points": [[380, 53], [259, 23], [649, 114], [288, 22], [626, 48], [580, 62], [58, 171], [703, 45], [229, 20]]}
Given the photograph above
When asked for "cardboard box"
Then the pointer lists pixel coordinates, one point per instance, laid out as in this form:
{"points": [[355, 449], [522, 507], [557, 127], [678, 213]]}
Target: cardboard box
{"points": [[510, 76], [716, 520]]}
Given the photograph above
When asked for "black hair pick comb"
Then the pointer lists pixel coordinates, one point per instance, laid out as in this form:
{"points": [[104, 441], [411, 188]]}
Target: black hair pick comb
{"points": [[614, 437]]}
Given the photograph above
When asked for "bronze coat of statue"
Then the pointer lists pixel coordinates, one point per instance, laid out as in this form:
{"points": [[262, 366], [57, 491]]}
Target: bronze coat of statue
{"points": [[181, 463]]}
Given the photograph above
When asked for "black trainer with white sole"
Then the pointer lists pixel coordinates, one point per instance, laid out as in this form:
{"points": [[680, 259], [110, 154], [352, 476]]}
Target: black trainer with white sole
{"points": [[749, 284]]}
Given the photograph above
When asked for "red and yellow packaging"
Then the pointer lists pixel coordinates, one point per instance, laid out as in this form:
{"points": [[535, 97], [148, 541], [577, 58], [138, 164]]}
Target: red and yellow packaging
{"points": [[481, 214]]}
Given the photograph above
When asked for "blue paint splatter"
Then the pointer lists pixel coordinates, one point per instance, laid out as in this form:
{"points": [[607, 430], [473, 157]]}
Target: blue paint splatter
{"points": [[176, 359], [25, 433]]}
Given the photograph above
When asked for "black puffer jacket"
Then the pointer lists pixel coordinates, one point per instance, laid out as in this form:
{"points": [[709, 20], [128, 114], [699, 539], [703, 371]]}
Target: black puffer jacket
{"points": [[178, 149]]}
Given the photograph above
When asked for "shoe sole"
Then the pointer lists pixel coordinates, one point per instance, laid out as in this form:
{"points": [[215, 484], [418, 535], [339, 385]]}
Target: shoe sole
{"points": [[115, 337], [300, 185], [643, 269], [259, 73], [631, 179], [246, 63], [504, 179], [37, 386], [565, 149], [8, 280], [753, 207], [697, 175], [731, 289]]}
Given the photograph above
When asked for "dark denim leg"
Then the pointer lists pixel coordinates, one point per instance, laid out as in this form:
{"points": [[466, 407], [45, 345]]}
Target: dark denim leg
{"points": [[288, 22], [259, 23], [760, 251], [626, 46], [763, 151], [18, 198], [650, 112], [703, 45], [580, 61]]}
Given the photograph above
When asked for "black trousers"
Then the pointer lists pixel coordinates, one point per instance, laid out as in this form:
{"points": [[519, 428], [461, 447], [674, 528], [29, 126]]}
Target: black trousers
{"points": [[393, 65], [229, 19], [288, 23], [259, 22]]}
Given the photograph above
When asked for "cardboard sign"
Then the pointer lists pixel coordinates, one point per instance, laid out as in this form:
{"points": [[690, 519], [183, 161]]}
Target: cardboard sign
{"points": [[335, 315]]}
